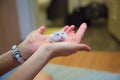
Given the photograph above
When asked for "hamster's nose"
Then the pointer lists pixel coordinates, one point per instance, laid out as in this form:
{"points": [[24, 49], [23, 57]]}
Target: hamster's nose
{"points": [[62, 38]]}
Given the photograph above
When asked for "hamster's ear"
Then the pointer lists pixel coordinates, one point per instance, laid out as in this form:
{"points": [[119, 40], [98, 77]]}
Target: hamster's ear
{"points": [[62, 31]]}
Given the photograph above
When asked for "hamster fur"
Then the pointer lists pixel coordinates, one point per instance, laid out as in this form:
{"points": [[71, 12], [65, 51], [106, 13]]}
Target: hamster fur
{"points": [[58, 36]]}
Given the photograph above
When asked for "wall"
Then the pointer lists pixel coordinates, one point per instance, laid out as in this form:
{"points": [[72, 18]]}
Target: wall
{"points": [[114, 17], [9, 25], [26, 17]]}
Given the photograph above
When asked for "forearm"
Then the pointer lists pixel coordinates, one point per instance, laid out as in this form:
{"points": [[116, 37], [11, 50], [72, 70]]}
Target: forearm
{"points": [[7, 62], [29, 69]]}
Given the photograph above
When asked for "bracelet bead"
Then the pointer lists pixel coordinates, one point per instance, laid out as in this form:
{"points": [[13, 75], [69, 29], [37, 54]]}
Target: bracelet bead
{"points": [[15, 52]]}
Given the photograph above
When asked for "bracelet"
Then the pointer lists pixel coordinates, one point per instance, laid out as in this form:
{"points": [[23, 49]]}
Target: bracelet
{"points": [[15, 52]]}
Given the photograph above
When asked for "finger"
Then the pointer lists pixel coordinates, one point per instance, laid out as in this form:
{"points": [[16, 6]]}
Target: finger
{"points": [[84, 47], [71, 28], [80, 32], [71, 33], [41, 30], [78, 47], [65, 28]]}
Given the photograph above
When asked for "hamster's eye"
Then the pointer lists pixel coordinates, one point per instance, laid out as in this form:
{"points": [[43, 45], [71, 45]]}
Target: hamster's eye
{"points": [[57, 34]]}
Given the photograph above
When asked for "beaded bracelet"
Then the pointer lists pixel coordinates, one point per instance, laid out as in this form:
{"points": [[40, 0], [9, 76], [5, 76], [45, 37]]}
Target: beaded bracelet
{"points": [[16, 54]]}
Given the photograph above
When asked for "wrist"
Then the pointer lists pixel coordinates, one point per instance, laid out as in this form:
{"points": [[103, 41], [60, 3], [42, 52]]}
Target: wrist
{"points": [[45, 51], [15, 52], [24, 49]]}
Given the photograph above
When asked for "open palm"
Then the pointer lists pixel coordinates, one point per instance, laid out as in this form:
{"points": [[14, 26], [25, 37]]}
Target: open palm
{"points": [[71, 44], [37, 38]]}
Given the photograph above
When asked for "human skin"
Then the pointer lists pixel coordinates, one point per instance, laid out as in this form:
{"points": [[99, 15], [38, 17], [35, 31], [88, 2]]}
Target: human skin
{"points": [[34, 40], [41, 53]]}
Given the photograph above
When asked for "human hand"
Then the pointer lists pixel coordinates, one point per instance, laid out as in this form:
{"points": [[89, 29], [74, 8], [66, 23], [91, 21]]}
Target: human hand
{"points": [[38, 44], [62, 49], [66, 35], [77, 37], [73, 42], [70, 45], [36, 39]]}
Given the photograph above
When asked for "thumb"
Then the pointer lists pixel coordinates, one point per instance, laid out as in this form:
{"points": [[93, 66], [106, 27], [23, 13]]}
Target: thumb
{"points": [[84, 47], [41, 30]]}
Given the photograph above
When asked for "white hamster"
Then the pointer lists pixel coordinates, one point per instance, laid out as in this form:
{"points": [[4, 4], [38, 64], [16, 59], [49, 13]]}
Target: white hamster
{"points": [[58, 36]]}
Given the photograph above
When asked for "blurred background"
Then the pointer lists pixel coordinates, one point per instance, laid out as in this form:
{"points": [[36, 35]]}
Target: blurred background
{"points": [[19, 17]]}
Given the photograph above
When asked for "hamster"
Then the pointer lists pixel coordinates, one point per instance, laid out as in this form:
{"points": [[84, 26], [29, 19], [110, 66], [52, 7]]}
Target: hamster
{"points": [[58, 36]]}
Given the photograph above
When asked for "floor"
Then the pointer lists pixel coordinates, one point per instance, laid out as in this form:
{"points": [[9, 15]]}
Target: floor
{"points": [[100, 39], [82, 65], [94, 60], [103, 57], [60, 72]]}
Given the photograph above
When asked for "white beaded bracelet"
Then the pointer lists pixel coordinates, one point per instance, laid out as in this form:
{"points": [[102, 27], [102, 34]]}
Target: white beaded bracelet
{"points": [[16, 54]]}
